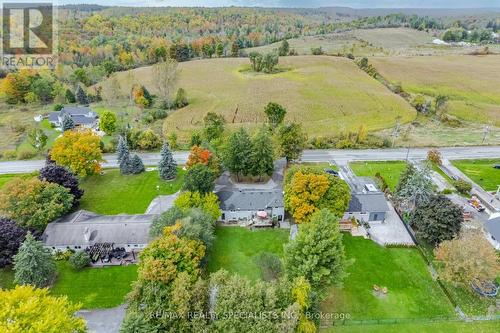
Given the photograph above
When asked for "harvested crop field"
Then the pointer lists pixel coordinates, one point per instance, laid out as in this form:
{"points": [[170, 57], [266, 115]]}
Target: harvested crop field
{"points": [[470, 82], [326, 94]]}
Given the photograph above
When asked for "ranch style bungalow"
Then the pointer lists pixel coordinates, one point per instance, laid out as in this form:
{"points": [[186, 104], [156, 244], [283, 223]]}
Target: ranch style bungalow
{"points": [[84, 229], [82, 116], [243, 204]]}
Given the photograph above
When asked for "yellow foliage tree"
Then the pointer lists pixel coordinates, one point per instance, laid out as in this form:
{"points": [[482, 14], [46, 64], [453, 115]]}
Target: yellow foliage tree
{"points": [[306, 189], [31, 310], [169, 255], [78, 150]]}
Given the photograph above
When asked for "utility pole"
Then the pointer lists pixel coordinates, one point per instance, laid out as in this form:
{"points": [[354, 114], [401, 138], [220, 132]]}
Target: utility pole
{"points": [[486, 132]]}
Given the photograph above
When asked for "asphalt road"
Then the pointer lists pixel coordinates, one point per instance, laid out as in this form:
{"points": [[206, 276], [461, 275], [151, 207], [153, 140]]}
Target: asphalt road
{"points": [[340, 156]]}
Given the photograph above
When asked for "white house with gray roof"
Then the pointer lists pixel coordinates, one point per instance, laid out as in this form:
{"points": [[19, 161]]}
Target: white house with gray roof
{"points": [[82, 116], [83, 229], [246, 204]]}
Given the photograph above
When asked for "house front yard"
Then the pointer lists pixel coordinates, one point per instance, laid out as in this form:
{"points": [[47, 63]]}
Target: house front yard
{"points": [[412, 293], [481, 172], [390, 170], [236, 249], [113, 193]]}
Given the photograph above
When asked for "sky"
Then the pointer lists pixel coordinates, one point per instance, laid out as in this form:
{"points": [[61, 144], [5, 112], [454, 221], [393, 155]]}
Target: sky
{"points": [[299, 3]]}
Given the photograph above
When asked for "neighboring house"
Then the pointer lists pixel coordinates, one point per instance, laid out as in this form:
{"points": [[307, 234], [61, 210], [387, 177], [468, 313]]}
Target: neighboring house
{"points": [[492, 229], [83, 229], [82, 116], [246, 204]]}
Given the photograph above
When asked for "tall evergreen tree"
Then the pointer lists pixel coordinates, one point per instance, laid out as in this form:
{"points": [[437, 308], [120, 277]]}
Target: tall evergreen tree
{"points": [[125, 164], [70, 97], [81, 96], [167, 166], [237, 153], [136, 165], [67, 123], [414, 188], [33, 264], [122, 148], [261, 158]]}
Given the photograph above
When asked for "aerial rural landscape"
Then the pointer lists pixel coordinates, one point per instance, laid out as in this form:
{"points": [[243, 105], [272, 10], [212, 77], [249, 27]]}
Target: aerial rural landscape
{"points": [[289, 167]]}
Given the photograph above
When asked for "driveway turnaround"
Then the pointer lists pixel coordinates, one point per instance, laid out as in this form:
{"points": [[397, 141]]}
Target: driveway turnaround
{"points": [[105, 320]]}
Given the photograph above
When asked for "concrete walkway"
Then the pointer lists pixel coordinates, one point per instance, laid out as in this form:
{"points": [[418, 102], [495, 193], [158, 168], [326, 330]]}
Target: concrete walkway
{"points": [[105, 320], [162, 203]]}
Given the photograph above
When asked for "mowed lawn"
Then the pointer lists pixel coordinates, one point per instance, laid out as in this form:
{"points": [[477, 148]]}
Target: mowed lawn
{"points": [[411, 291], [390, 170], [236, 249], [113, 193], [470, 82], [436, 327], [6, 278], [481, 172], [104, 287], [324, 94]]}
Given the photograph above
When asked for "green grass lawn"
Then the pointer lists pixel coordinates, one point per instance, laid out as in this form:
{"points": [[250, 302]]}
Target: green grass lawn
{"points": [[6, 278], [411, 291], [113, 193], [390, 170], [481, 172], [95, 287], [436, 327], [236, 248]]}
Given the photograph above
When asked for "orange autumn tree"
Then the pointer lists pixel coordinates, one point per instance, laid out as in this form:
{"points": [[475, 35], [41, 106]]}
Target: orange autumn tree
{"points": [[78, 150], [199, 155], [309, 189]]}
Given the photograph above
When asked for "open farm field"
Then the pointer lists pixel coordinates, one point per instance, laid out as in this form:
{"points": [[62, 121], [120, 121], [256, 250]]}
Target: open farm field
{"points": [[326, 94], [372, 42], [470, 82]]}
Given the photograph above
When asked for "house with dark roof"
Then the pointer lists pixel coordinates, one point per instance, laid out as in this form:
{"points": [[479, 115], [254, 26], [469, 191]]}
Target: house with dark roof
{"points": [[82, 116], [83, 229], [246, 204], [368, 203], [492, 230]]}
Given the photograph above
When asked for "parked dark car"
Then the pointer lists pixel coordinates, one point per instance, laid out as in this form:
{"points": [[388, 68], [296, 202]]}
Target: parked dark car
{"points": [[497, 166], [331, 172]]}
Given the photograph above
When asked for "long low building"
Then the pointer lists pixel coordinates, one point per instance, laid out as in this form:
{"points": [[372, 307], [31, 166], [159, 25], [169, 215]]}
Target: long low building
{"points": [[248, 204], [83, 229]]}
